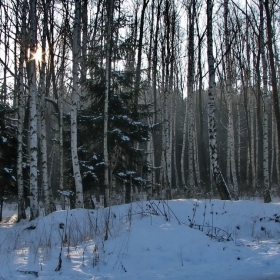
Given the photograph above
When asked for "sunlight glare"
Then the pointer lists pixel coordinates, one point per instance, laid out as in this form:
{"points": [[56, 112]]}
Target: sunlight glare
{"points": [[37, 56]]}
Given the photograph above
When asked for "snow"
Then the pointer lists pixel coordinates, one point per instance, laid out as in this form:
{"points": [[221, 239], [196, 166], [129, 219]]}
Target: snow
{"points": [[8, 170], [66, 192], [116, 130], [178, 239], [125, 138]]}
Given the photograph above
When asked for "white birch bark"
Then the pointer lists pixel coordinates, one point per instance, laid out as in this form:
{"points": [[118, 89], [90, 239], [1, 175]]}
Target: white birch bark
{"points": [[253, 140], [21, 204], [163, 170], [218, 177], [61, 125], [48, 197], [231, 165], [150, 146], [74, 107], [34, 205], [21, 104], [184, 146], [191, 182], [170, 143], [196, 159], [266, 182], [238, 138], [167, 148], [174, 137], [168, 106], [61, 152]]}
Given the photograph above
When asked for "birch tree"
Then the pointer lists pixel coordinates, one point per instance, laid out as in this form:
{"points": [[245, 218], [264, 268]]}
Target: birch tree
{"points": [[48, 197], [166, 59], [61, 78], [21, 103], [74, 106], [266, 177], [34, 206], [231, 165], [217, 175], [149, 100], [157, 162]]}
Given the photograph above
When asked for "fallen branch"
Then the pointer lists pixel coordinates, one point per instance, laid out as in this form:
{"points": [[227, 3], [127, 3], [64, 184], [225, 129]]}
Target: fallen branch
{"points": [[36, 273]]}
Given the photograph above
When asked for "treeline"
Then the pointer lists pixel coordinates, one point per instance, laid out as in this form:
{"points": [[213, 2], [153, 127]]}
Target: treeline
{"points": [[118, 101]]}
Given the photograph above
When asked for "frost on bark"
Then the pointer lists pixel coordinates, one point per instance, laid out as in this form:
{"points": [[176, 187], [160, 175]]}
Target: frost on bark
{"points": [[217, 175], [34, 206], [74, 107]]}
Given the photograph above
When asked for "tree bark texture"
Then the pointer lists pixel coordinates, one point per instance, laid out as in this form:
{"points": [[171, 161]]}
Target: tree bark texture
{"points": [[212, 128]]}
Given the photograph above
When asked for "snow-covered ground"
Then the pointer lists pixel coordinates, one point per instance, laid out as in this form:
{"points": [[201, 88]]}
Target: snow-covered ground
{"points": [[179, 239]]}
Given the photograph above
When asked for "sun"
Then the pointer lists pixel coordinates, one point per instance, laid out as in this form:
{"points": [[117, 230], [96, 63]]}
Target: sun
{"points": [[37, 56]]}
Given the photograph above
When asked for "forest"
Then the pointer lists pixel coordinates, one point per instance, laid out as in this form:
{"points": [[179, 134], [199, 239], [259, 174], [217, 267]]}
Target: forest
{"points": [[113, 101]]}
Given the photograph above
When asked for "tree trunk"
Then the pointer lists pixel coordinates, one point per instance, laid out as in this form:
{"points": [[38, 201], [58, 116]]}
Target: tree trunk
{"points": [[60, 109], [167, 103], [191, 70], [139, 53], [110, 13], [270, 39], [157, 161], [21, 105], [266, 186], [201, 145], [84, 58], [231, 166], [34, 205], [184, 146], [48, 197], [217, 175], [74, 107]]}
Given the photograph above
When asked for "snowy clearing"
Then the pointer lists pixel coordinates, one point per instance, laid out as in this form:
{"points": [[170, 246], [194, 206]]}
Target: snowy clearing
{"points": [[179, 239]]}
